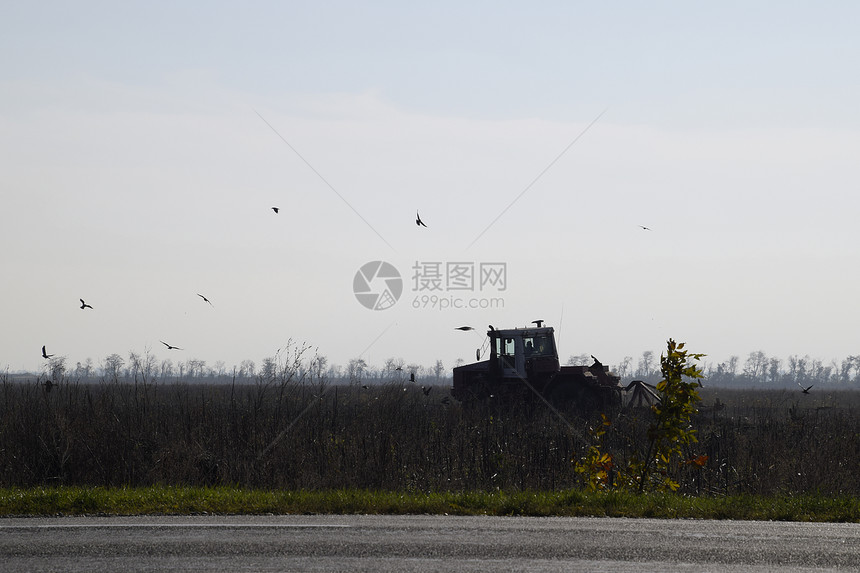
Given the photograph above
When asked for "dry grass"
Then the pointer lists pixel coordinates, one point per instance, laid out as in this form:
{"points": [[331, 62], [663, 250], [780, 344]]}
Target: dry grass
{"points": [[309, 436]]}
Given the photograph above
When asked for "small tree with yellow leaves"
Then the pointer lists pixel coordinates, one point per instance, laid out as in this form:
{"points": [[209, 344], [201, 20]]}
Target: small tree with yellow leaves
{"points": [[668, 434], [671, 430]]}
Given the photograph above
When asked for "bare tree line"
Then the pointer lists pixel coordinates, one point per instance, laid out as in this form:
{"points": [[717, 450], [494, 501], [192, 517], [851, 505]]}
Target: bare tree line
{"points": [[757, 370], [146, 367]]}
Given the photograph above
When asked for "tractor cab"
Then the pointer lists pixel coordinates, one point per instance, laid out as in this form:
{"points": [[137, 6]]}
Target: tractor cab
{"points": [[524, 362], [523, 352]]}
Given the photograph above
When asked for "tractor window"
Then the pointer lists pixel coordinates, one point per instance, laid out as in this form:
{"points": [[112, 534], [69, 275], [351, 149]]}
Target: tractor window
{"points": [[540, 345], [504, 346], [506, 352], [529, 345]]}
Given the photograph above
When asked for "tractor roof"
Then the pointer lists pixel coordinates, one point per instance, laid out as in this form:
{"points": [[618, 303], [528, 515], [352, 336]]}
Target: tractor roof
{"points": [[525, 331]]}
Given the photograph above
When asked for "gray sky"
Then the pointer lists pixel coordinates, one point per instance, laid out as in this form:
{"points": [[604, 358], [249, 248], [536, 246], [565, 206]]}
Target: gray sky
{"points": [[137, 173]]}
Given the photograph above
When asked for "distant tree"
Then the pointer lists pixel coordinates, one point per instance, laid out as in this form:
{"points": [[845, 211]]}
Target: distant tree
{"points": [[797, 368], [755, 367], [150, 366], [624, 368], [438, 370], [389, 369], [196, 367], [84, 370], [819, 372], [732, 367], [220, 368], [57, 368], [135, 365], [849, 369], [319, 367], [112, 368], [355, 369], [269, 369], [335, 371], [579, 360], [646, 363], [774, 370], [166, 368], [247, 369]]}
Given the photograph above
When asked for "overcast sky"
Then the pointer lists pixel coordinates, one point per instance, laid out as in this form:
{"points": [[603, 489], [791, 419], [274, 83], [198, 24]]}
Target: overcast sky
{"points": [[143, 144]]}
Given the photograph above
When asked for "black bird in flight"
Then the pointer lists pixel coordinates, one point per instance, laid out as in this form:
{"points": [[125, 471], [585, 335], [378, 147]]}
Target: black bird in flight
{"points": [[644, 227], [206, 299], [45, 355], [169, 347], [84, 305], [464, 328], [276, 209], [412, 376], [418, 220], [805, 390], [48, 385], [426, 390]]}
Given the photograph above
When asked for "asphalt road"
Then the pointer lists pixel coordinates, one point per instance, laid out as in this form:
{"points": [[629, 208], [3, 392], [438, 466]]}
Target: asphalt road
{"points": [[421, 543]]}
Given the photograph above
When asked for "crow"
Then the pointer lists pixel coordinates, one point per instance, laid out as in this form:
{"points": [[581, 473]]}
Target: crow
{"points": [[464, 328], [805, 390], [206, 299], [426, 390], [276, 209], [169, 347], [412, 376], [45, 355], [84, 305], [644, 227], [418, 220]]}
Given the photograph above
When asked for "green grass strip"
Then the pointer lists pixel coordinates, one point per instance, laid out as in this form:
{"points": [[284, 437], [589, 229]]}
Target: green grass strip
{"points": [[52, 501]]}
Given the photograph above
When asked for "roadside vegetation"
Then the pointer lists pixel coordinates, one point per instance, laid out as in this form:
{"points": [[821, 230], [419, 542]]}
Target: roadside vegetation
{"points": [[291, 442], [164, 500]]}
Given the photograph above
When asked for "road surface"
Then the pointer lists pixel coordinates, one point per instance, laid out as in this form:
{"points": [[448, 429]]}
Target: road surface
{"points": [[383, 543]]}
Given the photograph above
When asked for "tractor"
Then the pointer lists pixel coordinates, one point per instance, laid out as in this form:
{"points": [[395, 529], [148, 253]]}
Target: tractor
{"points": [[523, 365]]}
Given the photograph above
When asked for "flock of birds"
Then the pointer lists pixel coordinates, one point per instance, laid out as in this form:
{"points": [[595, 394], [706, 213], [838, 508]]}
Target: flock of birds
{"points": [[425, 389], [85, 305]]}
